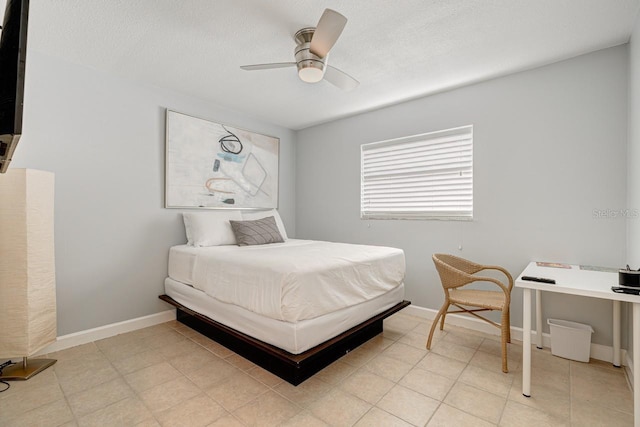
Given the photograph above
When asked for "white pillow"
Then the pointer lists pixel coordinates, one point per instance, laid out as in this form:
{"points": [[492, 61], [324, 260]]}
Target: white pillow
{"points": [[251, 215], [211, 228]]}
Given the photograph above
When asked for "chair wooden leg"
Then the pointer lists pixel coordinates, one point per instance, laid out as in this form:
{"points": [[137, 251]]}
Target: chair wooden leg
{"points": [[442, 318], [443, 309], [508, 325], [505, 333]]}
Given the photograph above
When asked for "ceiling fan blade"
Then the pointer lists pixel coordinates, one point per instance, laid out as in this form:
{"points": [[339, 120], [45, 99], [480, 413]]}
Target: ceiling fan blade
{"points": [[327, 32], [268, 66], [340, 79]]}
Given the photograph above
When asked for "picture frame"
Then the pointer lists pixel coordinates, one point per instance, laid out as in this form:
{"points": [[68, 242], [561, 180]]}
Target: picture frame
{"points": [[211, 165]]}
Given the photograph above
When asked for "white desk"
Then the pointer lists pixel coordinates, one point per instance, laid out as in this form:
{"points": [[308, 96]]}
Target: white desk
{"points": [[574, 281]]}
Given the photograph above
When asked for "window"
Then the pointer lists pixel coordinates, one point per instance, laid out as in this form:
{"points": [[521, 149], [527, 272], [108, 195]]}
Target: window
{"points": [[428, 176]]}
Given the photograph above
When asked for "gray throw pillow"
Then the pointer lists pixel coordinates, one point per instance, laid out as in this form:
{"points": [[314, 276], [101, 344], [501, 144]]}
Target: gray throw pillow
{"points": [[256, 232]]}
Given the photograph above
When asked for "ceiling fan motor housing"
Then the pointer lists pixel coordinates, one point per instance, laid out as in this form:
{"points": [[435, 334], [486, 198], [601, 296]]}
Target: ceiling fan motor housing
{"points": [[310, 67]]}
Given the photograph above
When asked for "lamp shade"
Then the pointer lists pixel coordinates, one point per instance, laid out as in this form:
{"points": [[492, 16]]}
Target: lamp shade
{"points": [[27, 263]]}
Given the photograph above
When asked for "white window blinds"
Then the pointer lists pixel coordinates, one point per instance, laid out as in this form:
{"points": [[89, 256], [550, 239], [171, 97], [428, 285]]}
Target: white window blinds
{"points": [[421, 176]]}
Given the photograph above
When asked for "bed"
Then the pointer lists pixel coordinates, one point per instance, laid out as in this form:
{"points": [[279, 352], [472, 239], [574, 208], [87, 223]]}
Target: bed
{"points": [[290, 306]]}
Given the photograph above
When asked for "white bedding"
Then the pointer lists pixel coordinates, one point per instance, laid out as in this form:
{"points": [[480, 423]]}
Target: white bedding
{"points": [[291, 281]]}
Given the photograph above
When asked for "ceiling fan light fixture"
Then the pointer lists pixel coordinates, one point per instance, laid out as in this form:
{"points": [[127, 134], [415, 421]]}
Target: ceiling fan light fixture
{"points": [[310, 73]]}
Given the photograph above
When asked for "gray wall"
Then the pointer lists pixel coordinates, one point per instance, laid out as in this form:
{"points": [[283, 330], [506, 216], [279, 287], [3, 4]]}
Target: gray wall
{"points": [[633, 159], [633, 171], [549, 148], [103, 137]]}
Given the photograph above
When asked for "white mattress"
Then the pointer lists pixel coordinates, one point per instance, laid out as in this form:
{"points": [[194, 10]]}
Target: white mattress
{"points": [[296, 337], [291, 281]]}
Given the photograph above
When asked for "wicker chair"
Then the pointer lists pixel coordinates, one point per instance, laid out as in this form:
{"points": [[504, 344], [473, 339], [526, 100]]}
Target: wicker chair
{"points": [[457, 272]]}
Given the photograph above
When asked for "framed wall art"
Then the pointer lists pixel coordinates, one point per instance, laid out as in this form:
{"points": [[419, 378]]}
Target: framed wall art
{"points": [[211, 165]]}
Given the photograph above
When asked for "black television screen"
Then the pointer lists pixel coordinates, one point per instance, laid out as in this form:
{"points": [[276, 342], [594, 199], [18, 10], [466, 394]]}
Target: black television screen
{"points": [[13, 52]]}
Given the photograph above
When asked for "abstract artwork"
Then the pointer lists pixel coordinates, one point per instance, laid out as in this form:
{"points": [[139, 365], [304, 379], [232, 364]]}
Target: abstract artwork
{"points": [[210, 165]]}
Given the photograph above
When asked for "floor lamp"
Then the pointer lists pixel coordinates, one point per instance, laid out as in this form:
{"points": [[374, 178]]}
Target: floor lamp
{"points": [[27, 270]]}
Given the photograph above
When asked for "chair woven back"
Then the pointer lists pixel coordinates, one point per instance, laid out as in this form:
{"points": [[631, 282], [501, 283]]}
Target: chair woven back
{"points": [[459, 263], [454, 271]]}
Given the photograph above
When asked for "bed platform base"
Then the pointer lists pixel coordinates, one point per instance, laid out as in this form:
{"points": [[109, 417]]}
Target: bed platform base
{"points": [[293, 368]]}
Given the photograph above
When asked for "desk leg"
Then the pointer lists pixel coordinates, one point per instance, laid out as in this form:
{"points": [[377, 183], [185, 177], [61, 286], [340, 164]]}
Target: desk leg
{"points": [[526, 342], [616, 333], [539, 319], [636, 364]]}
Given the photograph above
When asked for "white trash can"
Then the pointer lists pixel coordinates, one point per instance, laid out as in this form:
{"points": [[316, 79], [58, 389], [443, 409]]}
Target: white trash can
{"points": [[570, 340]]}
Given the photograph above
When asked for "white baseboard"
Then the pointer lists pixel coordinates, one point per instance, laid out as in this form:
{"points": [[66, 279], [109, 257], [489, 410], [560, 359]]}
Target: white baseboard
{"points": [[83, 337], [598, 351]]}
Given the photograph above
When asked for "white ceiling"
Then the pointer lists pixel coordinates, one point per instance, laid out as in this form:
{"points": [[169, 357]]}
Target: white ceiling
{"points": [[398, 50]]}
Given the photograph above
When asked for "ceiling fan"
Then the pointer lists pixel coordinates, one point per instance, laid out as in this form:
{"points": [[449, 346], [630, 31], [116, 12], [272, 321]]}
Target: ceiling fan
{"points": [[312, 50]]}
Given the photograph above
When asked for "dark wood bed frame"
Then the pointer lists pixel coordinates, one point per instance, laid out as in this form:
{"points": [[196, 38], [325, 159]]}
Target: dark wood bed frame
{"points": [[293, 368]]}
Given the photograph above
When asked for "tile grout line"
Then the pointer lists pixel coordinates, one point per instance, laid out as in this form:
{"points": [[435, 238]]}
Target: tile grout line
{"points": [[66, 399], [229, 413], [121, 376], [374, 405], [458, 379]]}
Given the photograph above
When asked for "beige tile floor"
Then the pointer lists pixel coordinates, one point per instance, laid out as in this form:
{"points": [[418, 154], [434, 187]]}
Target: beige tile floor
{"points": [[169, 375]]}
